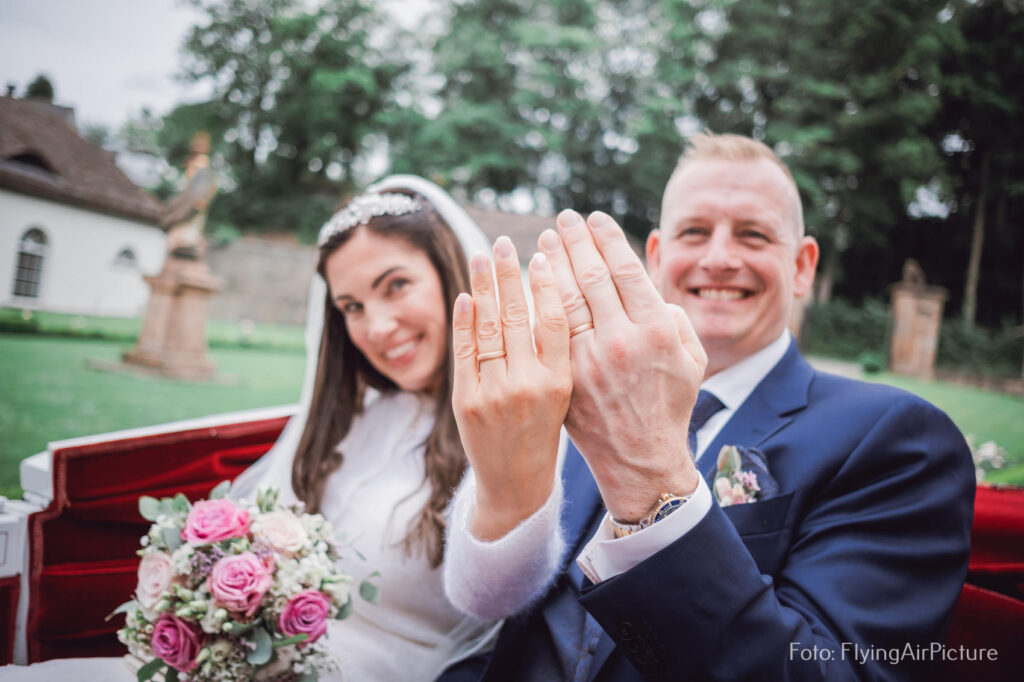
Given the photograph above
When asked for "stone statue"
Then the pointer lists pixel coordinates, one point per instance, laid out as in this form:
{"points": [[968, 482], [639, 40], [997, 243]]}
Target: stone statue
{"points": [[185, 216], [173, 339]]}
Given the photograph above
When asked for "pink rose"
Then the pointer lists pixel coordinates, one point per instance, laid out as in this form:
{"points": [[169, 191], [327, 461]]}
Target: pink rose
{"points": [[282, 531], [176, 642], [155, 574], [239, 582], [306, 613], [213, 521]]}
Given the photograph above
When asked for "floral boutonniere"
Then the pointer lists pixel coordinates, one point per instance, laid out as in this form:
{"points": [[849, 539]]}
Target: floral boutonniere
{"points": [[742, 477]]}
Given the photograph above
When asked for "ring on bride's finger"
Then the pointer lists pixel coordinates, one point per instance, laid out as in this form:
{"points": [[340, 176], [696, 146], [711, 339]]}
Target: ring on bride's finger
{"points": [[493, 355], [586, 326]]}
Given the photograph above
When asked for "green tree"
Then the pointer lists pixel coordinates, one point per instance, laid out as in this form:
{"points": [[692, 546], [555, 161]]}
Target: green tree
{"points": [[297, 92], [980, 134], [40, 88], [844, 93], [534, 98]]}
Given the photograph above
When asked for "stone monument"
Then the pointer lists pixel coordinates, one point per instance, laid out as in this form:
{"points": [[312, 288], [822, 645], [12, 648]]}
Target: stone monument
{"points": [[173, 339], [917, 317]]}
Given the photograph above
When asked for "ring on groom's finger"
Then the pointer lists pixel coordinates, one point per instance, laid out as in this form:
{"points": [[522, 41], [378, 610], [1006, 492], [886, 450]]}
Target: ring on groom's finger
{"points": [[586, 326], [493, 355]]}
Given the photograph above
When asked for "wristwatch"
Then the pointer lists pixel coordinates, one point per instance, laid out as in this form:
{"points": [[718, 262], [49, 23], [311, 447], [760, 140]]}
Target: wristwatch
{"points": [[666, 504]]}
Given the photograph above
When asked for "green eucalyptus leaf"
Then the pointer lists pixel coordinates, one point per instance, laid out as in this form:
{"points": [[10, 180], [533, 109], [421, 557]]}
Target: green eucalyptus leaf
{"points": [[167, 506], [346, 610], [123, 608], [170, 675], [180, 503], [221, 490], [294, 639], [369, 591], [728, 460], [735, 461], [149, 507], [239, 629], [172, 537], [147, 671], [264, 648]]}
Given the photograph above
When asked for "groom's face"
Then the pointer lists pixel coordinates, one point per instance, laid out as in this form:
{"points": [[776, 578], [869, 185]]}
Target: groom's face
{"points": [[729, 251]]}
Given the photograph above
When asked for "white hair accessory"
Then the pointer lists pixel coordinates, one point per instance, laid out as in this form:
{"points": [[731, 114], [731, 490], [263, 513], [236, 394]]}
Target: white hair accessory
{"points": [[364, 208]]}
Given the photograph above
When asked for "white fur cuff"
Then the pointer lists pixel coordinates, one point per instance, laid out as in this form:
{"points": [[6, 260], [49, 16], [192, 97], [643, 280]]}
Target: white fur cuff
{"points": [[493, 580]]}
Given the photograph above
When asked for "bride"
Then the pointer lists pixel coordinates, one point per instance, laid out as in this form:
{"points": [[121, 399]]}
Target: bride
{"points": [[374, 445]]}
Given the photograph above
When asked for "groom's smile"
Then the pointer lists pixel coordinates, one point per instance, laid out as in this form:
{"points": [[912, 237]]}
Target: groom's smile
{"points": [[727, 252]]}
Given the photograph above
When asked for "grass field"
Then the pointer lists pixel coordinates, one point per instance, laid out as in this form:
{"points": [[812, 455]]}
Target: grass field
{"points": [[983, 415], [219, 333], [49, 393]]}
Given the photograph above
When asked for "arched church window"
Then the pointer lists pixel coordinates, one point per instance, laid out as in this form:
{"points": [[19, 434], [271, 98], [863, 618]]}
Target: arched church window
{"points": [[29, 272], [125, 259]]}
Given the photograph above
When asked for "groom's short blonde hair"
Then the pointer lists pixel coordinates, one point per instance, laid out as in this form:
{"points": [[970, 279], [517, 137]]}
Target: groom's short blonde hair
{"points": [[708, 146]]}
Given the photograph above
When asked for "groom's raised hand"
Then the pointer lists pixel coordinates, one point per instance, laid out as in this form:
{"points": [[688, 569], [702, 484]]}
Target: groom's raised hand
{"points": [[635, 373]]}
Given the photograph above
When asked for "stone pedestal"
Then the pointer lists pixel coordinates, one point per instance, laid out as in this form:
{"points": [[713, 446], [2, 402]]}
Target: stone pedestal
{"points": [[173, 339], [917, 317]]}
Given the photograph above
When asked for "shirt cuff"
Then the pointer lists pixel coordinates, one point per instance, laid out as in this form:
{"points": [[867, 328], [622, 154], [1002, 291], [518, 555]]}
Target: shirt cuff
{"points": [[492, 580], [606, 556]]}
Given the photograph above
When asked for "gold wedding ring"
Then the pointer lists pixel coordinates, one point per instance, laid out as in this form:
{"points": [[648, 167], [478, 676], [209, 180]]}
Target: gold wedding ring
{"points": [[493, 355], [580, 329]]}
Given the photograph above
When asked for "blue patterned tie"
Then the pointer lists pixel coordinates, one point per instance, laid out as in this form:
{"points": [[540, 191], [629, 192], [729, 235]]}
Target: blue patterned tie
{"points": [[707, 406]]}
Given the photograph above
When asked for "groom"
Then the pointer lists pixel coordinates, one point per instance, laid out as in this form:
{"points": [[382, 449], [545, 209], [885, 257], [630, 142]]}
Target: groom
{"points": [[843, 530]]}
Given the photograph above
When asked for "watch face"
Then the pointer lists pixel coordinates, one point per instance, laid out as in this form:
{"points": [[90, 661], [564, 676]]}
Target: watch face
{"points": [[667, 508]]}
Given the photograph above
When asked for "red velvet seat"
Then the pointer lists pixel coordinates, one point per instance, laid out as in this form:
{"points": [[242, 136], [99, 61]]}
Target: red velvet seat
{"points": [[82, 560]]}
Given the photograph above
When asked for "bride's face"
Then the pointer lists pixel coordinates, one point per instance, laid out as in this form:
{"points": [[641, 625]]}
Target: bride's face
{"points": [[394, 307]]}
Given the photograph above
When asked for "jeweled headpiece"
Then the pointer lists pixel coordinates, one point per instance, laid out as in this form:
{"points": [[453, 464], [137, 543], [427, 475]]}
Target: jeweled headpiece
{"points": [[365, 207]]}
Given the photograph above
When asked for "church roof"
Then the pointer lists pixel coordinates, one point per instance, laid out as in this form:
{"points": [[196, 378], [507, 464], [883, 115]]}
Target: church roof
{"points": [[523, 229], [41, 154]]}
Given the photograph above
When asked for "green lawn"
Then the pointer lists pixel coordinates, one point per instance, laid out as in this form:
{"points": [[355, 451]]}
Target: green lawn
{"points": [[981, 414], [49, 393], [219, 333]]}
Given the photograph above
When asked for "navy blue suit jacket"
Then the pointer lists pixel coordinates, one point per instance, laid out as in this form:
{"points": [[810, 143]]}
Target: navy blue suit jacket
{"points": [[864, 549]]}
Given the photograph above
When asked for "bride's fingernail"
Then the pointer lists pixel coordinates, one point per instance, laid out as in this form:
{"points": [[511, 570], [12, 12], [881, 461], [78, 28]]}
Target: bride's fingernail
{"points": [[568, 218], [463, 303], [549, 240], [503, 247], [478, 263], [539, 262], [599, 219]]}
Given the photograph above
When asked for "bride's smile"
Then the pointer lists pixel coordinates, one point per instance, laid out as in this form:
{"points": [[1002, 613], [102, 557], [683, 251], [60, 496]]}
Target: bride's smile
{"points": [[393, 304]]}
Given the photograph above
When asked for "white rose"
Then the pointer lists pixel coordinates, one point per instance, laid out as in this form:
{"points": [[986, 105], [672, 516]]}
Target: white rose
{"points": [[282, 531], [155, 573]]}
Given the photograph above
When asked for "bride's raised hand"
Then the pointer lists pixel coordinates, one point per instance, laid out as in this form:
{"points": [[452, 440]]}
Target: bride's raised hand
{"points": [[509, 399]]}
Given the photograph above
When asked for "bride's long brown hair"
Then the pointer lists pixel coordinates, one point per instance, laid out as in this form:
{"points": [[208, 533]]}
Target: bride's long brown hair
{"points": [[343, 374]]}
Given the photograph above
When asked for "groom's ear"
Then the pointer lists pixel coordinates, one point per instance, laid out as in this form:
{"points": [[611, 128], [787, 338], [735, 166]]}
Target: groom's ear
{"points": [[653, 253], [806, 264]]}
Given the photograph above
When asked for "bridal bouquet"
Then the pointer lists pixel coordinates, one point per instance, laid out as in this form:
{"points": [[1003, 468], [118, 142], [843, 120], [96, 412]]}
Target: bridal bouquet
{"points": [[233, 591]]}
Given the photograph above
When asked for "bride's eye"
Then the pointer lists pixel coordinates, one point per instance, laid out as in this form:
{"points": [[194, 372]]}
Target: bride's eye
{"points": [[352, 308], [397, 284]]}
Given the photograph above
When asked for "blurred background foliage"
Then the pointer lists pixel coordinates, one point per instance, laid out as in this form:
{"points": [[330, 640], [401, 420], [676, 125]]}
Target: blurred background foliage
{"points": [[899, 118]]}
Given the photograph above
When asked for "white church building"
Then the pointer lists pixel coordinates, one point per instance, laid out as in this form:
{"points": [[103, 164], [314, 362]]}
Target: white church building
{"points": [[76, 235]]}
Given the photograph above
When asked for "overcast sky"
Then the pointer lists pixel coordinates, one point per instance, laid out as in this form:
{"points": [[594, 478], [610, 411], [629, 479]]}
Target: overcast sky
{"points": [[109, 58], [106, 58]]}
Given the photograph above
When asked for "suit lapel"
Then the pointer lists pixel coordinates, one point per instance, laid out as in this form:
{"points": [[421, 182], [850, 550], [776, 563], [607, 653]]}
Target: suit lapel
{"points": [[769, 408]]}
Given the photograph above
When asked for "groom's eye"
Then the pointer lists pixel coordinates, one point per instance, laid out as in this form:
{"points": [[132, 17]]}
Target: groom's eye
{"points": [[692, 231]]}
